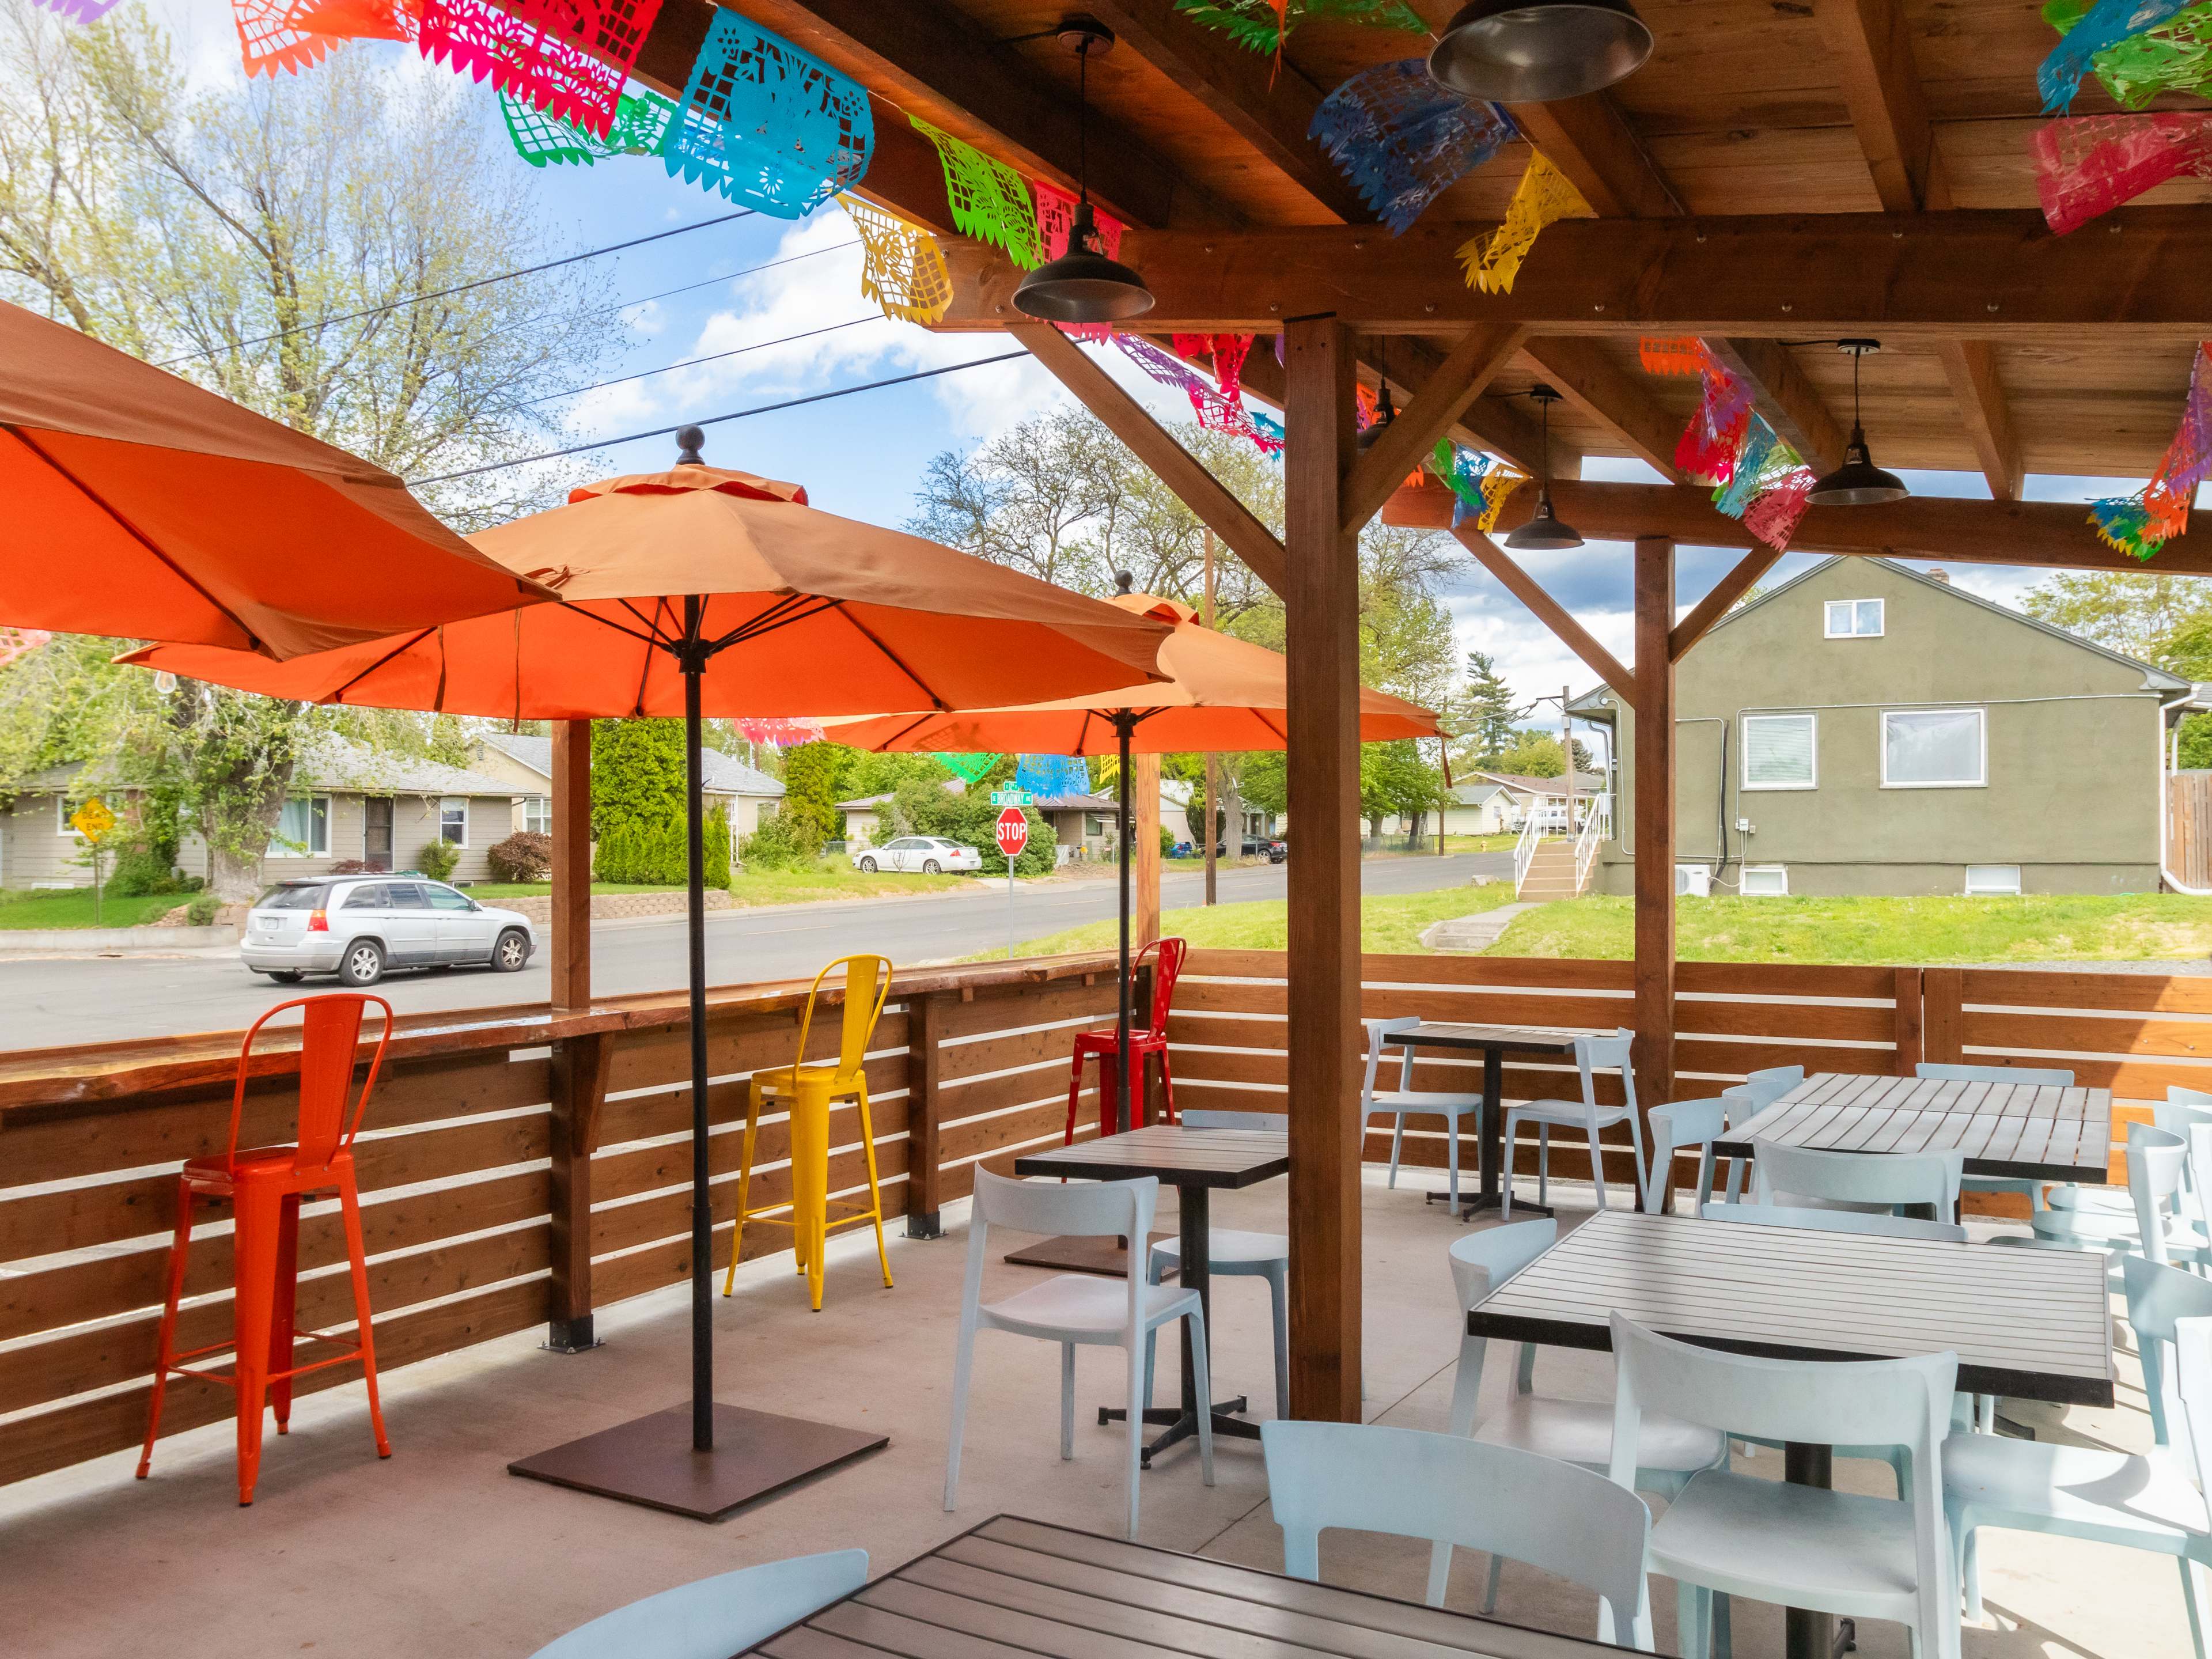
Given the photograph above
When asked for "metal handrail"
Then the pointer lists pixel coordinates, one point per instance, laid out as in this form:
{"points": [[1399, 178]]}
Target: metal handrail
{"points": [[1524, 850], [1586, 844]]}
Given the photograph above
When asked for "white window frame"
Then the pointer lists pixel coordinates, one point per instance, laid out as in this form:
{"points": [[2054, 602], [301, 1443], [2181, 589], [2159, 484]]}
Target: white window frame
{"points": [[446, 802], [62, 827], [1828, 612], [278, 849], [1744, 742], [1983, 889], [1779, 871], [1981, 719], [538, 807]]}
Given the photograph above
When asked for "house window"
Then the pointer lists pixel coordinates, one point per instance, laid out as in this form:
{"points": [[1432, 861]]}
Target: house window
{"points": [[1764, 881], [1777, 751], [1854, 619], [303, 829], [1934, 748], [1093, 824], [1992, 879], [62, 807], [453, 820], [537, 814]]}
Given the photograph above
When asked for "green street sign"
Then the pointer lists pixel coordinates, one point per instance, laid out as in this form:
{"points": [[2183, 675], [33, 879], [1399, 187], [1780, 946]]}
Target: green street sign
{"points": [[1012, 797]]}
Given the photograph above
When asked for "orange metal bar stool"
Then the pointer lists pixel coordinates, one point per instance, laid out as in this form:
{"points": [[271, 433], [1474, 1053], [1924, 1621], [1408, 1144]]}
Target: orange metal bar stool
{"points": [[1145, 1041], [263, 1186]]}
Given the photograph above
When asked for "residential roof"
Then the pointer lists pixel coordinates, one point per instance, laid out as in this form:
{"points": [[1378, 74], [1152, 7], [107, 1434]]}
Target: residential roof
{"points": [[326, 761], [724, 774], [1474, 794], [1521, 783], [1075, 804]]}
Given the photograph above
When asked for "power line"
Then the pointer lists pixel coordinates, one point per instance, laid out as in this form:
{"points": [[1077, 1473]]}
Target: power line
{"points": [[462, 288], [693, 362], [716, 420]]}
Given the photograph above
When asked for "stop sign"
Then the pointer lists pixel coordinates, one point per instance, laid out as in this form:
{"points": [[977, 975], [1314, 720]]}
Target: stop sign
{"points": [[1013, 831]]}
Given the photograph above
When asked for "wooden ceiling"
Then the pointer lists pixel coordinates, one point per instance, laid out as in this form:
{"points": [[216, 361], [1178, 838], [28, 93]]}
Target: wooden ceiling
{"points": [[1747, 107]]}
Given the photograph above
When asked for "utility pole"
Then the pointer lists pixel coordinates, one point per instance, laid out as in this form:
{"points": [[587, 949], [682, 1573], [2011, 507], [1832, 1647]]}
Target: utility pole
{"points": [[1567, 750], [1212, 805]]}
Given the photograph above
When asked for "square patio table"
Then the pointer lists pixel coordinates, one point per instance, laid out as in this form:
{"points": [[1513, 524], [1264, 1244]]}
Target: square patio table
{"points": [[1195, 1162], [1494, 1042], [2017, 1131], [1011, 1589], [2030, 1324]]}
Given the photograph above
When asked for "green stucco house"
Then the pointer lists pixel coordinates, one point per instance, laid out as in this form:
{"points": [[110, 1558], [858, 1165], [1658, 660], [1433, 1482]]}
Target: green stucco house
{"points": [[1864, 728]]}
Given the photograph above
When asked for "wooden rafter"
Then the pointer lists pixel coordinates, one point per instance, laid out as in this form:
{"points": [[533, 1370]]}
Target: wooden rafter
{"points": [[1549, 611], [1992, 274], [1741, 578], [1588, 140], [1176, 466], [1398, 447], [1789, 402], [1595, 384], [1970, 366]]}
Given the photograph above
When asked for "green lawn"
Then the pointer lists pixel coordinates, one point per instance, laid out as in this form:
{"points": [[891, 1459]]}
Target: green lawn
{"points": [[830, 878], [1930, 931], [1389, 923], [73, 908]]}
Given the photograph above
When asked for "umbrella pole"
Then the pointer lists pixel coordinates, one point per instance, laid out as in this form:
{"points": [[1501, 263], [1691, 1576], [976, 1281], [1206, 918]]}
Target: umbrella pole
{"points": [[1123, 724], [702, 1220]]}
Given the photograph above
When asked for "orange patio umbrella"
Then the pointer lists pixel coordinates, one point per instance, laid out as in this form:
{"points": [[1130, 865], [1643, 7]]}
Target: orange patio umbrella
{"points": [[145, 507], [1221, 693], [701, 591]]}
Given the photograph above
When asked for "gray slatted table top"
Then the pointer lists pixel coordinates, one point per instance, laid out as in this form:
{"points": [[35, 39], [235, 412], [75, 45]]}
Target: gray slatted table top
{"points": [[1020, 1589], [1179, 1156], [2023, 1131], [1526, 1039], [2031, 1324]]}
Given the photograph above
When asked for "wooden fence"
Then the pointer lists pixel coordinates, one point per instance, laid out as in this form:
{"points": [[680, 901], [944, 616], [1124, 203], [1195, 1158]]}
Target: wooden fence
{"points": [[523, 1167], [2189, 827]]}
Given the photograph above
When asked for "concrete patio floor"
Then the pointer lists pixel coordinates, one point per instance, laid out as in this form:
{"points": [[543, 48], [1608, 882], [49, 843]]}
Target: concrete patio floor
{"points": [[439, 1552]]}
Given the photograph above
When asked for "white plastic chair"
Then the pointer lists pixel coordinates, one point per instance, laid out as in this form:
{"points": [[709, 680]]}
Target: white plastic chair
{"points": [[1592, 1055], [1675, 1127], [1869, 1183], [1074, 1308], [1233, 1254], [1406, 1098], [1748, 1099], [2036, 1076], [1836, 1221], [2157, 1162], [1554, 1516], [1577, 1431], [718, 1616], [2155, 1502], [2186, 1113], [1804, 1547]]}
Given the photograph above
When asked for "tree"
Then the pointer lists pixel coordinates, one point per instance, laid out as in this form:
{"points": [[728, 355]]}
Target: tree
{"points": [[1484, 711], [1396, 781], [1535, 754], [267, 238], [639, 781], [2152, 614], [813, 784]]}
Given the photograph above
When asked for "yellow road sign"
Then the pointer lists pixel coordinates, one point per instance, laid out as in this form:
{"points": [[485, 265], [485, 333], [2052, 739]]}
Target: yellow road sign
{"points": [[93, 820]]}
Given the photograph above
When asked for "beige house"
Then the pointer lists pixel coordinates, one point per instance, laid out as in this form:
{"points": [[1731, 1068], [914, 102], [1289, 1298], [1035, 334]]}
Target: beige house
{"points": [[348, 804], [1867, 729], [527, 765], [1082, 825]]}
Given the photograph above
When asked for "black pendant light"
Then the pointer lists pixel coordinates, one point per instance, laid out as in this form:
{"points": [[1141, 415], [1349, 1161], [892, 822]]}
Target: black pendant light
{"points": [[1534, 51], [1545, 531], [1083, 285], [1385, 410], [1859, 482]]}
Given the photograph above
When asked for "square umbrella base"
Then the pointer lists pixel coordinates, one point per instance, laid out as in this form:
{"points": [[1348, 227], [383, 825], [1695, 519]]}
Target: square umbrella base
{"points": [[649, 1461]]}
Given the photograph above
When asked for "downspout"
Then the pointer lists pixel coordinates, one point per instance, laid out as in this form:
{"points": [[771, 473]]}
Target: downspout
{"points": [[2165, 794]]}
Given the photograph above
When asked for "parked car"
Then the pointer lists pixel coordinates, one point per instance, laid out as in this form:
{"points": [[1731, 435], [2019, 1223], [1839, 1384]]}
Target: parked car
{"points": [[928, 853], [358, 927], [1263, 847]]}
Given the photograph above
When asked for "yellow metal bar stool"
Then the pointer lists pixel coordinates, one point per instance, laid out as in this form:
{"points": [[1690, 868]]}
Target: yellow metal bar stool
{"points": [[807, 1092]]}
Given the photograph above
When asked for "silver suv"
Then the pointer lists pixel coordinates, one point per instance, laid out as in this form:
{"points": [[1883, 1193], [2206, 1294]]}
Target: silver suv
{"points": [[357, 927]]}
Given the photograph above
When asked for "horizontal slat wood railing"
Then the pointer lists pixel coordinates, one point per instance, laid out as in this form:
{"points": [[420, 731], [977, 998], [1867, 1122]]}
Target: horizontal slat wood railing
{"points": [[520, 1166]]}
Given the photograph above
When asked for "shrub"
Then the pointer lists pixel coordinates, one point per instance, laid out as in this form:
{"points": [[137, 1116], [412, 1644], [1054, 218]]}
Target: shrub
{"points": [[524, 855], [1167, 840], [924, 809], [654, 854], [637, 775], [145, 847], [201, 912], [812, 784], [140, 870], [778, 843], [438, 859]]}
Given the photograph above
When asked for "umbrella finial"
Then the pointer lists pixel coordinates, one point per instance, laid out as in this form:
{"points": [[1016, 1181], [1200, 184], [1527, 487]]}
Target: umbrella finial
{"points": [[1124, 582], [688, 440]]}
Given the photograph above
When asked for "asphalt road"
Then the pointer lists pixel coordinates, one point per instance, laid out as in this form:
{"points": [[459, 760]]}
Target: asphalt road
{"points": [[52, 1001]]}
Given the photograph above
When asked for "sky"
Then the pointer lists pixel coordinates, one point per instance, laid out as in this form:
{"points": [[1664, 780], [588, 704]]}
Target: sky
{"points": [[765, 279]]}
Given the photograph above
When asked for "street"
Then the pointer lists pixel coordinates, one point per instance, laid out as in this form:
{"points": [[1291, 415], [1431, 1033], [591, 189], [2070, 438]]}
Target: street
{"points": [[49, 1002]]}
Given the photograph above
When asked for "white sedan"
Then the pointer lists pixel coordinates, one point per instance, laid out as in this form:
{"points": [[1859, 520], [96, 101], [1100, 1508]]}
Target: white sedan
{"points": [[927, 853]]}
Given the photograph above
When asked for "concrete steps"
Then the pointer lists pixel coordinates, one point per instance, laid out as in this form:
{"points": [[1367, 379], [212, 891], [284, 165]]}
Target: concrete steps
{"points": [[1551, 874]]}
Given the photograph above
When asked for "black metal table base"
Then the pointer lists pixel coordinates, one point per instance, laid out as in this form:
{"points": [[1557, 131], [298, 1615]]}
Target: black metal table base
{"points": [[1469, 1205], [1182, 1426]]}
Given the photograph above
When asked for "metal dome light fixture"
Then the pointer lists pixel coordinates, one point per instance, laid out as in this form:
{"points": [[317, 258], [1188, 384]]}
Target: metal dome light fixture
{"points": [[1859, 482], [1083, 285], [1545, 531], [1535, 52], [1385, 410]]}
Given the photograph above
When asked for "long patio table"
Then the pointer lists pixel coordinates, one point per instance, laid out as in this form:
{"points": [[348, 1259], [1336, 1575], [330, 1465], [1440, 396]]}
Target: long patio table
{"points": [[1494, 1042], [1195, 1162], [1012, 1589], [2031, 1324], [2018, 1131]]}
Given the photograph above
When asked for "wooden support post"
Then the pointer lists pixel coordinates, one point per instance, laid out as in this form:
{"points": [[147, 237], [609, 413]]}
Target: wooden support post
{"points": [[570, 947], [582, 1066], [1322, 644], [1655, 827], [1942, 1015], [1911, 1034], [1144, 779], [1212, 835], [924, 1179]]}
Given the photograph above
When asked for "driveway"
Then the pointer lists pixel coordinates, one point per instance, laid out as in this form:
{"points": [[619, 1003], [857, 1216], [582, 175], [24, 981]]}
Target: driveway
{"points": [[51, 1002]]}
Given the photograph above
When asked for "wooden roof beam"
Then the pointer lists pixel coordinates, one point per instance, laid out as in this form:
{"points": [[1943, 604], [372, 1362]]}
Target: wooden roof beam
{"points": [[1399, 447], [1781, 393], [1991, 274], [1970, 366], [1549, 610], [1616, 399]]}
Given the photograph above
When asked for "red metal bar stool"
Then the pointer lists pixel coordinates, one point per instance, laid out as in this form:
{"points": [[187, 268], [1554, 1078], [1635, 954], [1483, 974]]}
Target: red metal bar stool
{"points": [[1150, 1041], [263, 1186]]}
